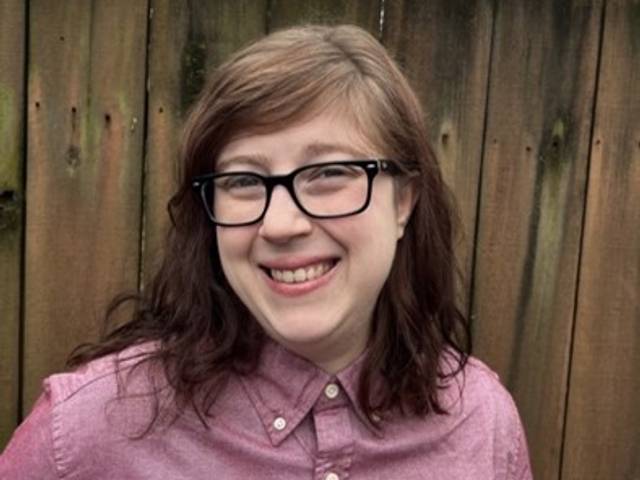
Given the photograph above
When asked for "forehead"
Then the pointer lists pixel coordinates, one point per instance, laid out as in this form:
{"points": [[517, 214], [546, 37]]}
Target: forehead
{"points": [[322, 135]]}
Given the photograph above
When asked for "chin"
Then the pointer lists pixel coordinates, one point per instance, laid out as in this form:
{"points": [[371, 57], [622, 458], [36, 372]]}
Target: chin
{"points": [[302, 338], [302, 334]]}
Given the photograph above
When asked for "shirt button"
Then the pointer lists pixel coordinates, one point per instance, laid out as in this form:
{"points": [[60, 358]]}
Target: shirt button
{"points": [[279, 423], [331, 391], [332, 476]]}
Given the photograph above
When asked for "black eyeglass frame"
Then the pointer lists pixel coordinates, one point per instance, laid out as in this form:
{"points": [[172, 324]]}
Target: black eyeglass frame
{"points": [[371, 167]]}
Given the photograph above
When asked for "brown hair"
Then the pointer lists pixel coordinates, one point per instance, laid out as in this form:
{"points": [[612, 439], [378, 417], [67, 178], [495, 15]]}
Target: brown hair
{"points": [[203, 330]]}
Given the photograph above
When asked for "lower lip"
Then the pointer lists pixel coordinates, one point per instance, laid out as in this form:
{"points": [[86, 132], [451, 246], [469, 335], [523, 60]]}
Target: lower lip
{"points": [[302, 288]]}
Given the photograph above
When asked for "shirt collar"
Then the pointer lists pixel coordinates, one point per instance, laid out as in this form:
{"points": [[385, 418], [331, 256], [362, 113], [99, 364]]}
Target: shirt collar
{"points": [[349, 379], [285, 387]]}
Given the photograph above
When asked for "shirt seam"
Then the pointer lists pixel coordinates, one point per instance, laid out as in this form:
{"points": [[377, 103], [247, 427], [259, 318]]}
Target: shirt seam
{"points": [[56, 443], [518, 450]]}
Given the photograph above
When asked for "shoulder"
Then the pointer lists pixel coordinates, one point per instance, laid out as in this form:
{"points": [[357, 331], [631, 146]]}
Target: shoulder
{"points": [[97, 378], [477, 396], [477, 390], [96, 407], [484, 385], [72, 427]]}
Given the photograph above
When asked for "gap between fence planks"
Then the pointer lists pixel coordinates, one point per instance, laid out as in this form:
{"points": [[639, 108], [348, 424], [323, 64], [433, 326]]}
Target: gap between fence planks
{"points": [[12, 39]]}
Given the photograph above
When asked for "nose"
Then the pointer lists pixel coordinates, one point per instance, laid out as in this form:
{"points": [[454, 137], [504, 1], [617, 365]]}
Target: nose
{"points": [[283, 220]]}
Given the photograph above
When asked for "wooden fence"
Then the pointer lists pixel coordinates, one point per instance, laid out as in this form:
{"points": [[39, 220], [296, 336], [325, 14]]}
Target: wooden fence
{"points": [[534, 111]]}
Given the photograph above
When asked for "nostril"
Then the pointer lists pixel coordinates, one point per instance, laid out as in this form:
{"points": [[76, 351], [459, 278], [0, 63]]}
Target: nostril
{"points": [[280, 226]]}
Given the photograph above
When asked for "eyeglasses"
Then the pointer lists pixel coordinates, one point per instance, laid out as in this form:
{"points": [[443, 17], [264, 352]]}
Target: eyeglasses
{"points": [[322, 190]]}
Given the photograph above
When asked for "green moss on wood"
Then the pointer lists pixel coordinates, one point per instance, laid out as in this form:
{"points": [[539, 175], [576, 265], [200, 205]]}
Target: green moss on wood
{"points": [[10, 212], [554, 154], [193, 69], [634, 25], [10, 163], [9, 137]]}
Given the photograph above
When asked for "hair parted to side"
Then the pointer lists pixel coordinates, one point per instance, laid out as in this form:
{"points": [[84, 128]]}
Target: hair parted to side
{"points": [[202, 329]]}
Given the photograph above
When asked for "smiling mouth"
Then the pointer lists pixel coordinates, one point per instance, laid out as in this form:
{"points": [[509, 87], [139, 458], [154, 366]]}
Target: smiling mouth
{"points": [[301, 275]]}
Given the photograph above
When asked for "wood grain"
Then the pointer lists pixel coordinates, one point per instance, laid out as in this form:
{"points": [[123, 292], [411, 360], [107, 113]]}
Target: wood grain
{"points": [[188, 40], [12, 40], [603, 422], [85, 137], [444, 49], [365, 13], [533, 180]]}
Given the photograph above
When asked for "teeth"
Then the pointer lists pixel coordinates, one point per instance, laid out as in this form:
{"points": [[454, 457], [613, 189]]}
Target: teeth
{"points": [[301, 274]]}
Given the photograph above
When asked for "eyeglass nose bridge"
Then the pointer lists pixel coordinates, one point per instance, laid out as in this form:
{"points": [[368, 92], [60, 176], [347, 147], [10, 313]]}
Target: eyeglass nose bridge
{"points": [[286, 181]]}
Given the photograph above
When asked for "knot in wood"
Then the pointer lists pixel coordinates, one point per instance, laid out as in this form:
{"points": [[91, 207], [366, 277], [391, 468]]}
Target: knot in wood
{"points": [[73, 156]]}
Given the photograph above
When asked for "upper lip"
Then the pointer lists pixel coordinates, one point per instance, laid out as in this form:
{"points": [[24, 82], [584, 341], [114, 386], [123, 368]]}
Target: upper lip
{"points": [[293, 263]]}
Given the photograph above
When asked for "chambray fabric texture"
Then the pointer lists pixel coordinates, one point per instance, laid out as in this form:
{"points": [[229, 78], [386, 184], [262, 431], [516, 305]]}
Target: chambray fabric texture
{"points": [[279, 423]]}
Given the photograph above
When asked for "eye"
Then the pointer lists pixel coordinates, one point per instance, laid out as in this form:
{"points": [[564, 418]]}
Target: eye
{"points": [[331, 171], [238, 181]]}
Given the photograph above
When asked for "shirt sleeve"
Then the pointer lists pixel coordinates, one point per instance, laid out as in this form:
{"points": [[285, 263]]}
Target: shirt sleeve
{"points": [[30, 453]]}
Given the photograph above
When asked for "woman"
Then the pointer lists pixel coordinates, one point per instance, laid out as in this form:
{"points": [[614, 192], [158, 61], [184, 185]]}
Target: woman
{"points": [[304, 321]]}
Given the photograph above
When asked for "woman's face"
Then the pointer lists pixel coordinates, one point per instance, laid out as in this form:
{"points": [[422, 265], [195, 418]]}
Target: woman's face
{"points": [[323, 314]]}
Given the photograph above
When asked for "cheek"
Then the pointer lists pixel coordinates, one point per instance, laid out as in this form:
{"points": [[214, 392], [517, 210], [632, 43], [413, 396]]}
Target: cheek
{"points": [[383, 236], [234, 245], [382, 225], [371, 240]]}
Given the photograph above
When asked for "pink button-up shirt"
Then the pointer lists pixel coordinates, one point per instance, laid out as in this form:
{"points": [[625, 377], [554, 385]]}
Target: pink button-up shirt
{"points": [[289, 420]]}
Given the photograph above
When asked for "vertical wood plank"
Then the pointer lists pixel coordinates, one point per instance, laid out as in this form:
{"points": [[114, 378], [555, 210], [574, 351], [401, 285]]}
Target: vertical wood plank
{"points": [[444, 47], [603, 423], [534, 173], [365, 13], [86, 108], [188, 40], [12, 41]]}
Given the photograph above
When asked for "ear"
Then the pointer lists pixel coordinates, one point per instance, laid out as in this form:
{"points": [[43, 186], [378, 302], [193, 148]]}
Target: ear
{"points": [[405, 202]]}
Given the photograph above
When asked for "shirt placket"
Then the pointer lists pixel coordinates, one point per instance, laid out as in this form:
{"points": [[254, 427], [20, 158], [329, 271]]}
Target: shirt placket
{"points": [[334, 435]]}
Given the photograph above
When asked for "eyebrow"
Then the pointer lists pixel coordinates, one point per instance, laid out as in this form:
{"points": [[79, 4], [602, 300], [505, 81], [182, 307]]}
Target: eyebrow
{"points": [[313, 149], [255, 159], [316, 149]]}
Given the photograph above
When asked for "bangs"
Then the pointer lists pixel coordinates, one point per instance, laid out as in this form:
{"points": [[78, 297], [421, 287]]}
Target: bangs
{"points": [[345, 98], [290, 77]]}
